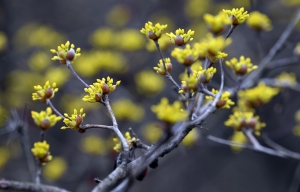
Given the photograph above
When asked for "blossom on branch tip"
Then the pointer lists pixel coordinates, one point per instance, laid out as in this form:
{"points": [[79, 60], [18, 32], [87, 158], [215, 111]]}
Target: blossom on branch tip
{"points": [[238, 16], [242, 66], [181, 38], [153, 32], [186, 56], [169, 113], [64, 53], [161, 68], [45, 119], [217, 24], [259, 21], [73, 121], [41, 152], [204, 75], [224, 101], [118, 145], [191, 84], [286, 79], [43, 93]]}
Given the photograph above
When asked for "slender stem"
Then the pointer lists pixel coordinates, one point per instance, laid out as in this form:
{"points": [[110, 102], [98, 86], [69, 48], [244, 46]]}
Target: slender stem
{"points": [[42, 134], [91, 126], [232, 27], [38, 173], [207, 92], [75, 74], [53, 108], [248, 133], [283, 62]]}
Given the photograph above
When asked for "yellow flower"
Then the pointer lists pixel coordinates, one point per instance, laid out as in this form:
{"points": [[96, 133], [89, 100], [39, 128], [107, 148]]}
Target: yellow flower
{"points": [[149, 83], [238, 16], [4, 154], [152, 132], [118, 16], [217, 24], [3, 113], [153, 32], [286, 79], [191, 84], [224, 101], [297, 50], [181, 38], [43, 93], [64, 53], [121, 108], [45, 119], [102, 37], [239, 120], [129, 40], [118, 145], [242, 66], [169, 113], [103, 86], [39, 61], [3, 41], [164, 44], [186, 56], [73, 121], [259, 95], [242, 106], [297, 116], [55, 169], [204, 75], [238, 137], [94, 145], [259, 21], [161, 68], [191, 138], [41, 152]]}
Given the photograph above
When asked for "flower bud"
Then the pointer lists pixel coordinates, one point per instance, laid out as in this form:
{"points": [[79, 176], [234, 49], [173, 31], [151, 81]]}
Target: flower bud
{"points": [[169, 67], [78, 120], [189, 60], [142, 175], [234, 20], [98, 97], [154, 164], [221, 103], [71, 55], [45, 124], [49, 93], [153, 36], [179, 40], [105, 88]]}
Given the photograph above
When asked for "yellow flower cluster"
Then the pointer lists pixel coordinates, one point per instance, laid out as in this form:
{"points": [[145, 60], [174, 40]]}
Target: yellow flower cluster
{"points": [[153, 32], [3, 41], [224, 101], [169, 113], [118, 145], [64, 53], [259, 21], [161, 68], [102, 86], [242, 66], [259, 95], [186, 56], [45, 119], [73, 121], [296, 129], [43, 93], [183, 76], [41, 152], [297, 50], [181, 38], [286, 79], [238, 16], [152, 132], [55, 169], [149, 83], [217, 24], [191, 84], [239, 120], [94, 145], [204, 75], [238, 137], [121, 107]]}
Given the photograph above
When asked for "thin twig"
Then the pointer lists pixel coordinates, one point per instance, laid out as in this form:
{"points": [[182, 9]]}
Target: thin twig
{"points": [[95, 126], [207, 92], [75, 74], [53, 108], [248, 133], [38, 174], [283, 62]]}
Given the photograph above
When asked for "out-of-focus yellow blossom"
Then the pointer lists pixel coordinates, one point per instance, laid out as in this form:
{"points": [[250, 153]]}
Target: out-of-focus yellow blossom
{"points": [[193, 67], [242, 66], [296, 130], [191, 85], [152, 132], [55, 169], [102, 86], [238, 16], [286, 79], [3, 113], [58, 74], [224, 101], [64, 53], [259, 95], [153, 32], [69, 102], [204, 75], [45, 119], [217, 24], [290, 3], [297, 50], [41, 152], [43, 93], [94, 145], [121, 108], [169, 113], [238, 137], [118, 144], [181, 38], [161, 68], [149, 83], [3, 41], [164, 44], [102, 37], [129, 40], [210, 47], [73, 121], [37, 35], [297, 116], [239, 120], [259, 21], [196, 8], [118, 16], [4, 154], [39, 61], [191, 138], [186, 56], [242, 106]]}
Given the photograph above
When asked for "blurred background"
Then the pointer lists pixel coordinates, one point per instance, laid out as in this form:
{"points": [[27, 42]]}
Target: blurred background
{"points": [[111, 44]]}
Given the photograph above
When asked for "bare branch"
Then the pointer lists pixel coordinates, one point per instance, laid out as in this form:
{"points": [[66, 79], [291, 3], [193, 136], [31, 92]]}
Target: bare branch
{"points": [[75, 74]]}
